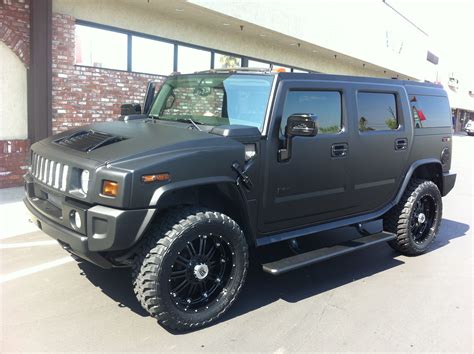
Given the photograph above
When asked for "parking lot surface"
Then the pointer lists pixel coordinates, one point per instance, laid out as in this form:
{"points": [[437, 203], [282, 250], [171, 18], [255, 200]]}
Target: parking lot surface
{"points": [[372, 300]]}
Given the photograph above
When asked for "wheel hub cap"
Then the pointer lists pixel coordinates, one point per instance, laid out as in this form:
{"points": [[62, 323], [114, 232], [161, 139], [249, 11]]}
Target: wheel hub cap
{"points": [[421, 218], [201, 271]]}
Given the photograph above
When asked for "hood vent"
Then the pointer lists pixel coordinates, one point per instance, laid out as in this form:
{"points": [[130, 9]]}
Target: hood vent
{"points": [[88, 140]]}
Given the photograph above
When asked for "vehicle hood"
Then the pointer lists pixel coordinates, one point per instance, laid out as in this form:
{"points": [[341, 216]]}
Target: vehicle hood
{"points": [[134, 139]]}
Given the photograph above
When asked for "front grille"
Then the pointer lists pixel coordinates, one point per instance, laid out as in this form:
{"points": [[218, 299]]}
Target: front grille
{"points": [[50, 172]]}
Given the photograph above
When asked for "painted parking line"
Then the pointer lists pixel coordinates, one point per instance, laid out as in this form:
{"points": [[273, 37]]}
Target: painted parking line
{"points": [[35, 269], [4, 246]]}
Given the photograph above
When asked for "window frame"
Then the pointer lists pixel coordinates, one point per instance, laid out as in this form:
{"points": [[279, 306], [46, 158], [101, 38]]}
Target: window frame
{"points": [[397, 91], [309, 85], [341, 123], [244, 59]]}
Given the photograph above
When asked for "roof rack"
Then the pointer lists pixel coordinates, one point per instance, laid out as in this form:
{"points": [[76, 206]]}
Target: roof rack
{"points": [[235, 70]]}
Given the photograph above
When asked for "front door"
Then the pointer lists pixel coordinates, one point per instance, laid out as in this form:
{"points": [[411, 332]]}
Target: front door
{"points": [[313, 185]]}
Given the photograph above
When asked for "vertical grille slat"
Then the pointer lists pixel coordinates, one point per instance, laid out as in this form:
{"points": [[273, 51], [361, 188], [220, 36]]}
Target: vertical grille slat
{"points": [[45, 172], [37, 158], [64, 177], [40, 176], [49, 172], [56, 175]]}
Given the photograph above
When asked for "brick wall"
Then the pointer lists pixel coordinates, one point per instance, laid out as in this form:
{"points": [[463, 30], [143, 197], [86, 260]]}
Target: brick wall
{"points": [[14, 158], [14, 33], [15, 27], [83, 95]]}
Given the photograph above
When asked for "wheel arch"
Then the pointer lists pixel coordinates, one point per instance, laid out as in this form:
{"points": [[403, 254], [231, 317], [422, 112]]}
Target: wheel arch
{"points": [[429, 169], [220, 194]]}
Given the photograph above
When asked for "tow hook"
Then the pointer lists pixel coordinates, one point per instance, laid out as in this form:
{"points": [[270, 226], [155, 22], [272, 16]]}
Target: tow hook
{"points": [[243, 177]]}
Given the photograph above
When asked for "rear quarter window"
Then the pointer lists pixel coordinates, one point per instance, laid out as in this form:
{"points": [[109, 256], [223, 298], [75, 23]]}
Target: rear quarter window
{"points": [[430, 111]]}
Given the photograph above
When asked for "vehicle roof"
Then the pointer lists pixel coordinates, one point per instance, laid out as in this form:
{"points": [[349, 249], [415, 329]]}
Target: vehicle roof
{"points": [[348, 78], [411, 85]]}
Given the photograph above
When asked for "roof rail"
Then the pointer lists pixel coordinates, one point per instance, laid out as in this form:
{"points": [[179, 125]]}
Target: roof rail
{"points": [[234, 70]]}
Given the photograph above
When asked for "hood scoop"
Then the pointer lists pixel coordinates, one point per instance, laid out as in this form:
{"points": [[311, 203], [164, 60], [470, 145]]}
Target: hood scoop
{"points": [[88, 140]]}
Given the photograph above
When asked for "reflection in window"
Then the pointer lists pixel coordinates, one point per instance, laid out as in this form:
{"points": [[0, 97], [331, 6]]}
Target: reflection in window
{"points": [[224, 61], [377, 111], [101, 48], [151, 56], [258, 64], [191, 60], [430, 111], [326, 105]]}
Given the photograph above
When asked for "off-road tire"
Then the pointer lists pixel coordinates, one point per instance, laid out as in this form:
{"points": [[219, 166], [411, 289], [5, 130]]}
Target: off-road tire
{"points": [[399, 219], [153, 265]]}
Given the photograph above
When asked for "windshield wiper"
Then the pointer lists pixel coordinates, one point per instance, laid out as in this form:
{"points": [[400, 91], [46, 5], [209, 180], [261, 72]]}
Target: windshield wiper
{"points": [[190, 120]]}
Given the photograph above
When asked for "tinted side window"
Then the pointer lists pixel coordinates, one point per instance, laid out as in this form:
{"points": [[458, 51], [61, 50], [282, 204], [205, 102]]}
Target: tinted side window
{"points": [[377, 111], [430, 111], [326, 105]]}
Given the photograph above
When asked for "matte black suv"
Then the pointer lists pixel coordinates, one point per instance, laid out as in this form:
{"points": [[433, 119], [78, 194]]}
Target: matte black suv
{"points": [[223, 161]]}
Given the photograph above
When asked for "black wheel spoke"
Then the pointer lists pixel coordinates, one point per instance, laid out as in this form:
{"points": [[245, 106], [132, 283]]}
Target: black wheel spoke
{"points": [[202, 245], [211, 253], [191, 249], [182, 261], [201, 268], [181, 286], [178, 274]]}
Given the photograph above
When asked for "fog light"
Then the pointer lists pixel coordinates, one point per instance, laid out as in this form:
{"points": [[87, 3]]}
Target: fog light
{"points": [[75, 219]]}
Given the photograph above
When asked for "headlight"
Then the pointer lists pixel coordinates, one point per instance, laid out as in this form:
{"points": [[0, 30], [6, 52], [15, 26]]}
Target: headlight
{"points": [[85, 181]]}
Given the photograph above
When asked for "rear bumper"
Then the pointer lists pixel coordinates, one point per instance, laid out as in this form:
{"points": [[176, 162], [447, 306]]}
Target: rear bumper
{"points": [[103, 229], [449, 179]]}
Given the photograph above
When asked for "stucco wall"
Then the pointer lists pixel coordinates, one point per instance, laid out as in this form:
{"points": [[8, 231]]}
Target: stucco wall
{"points": [[13, 108]]}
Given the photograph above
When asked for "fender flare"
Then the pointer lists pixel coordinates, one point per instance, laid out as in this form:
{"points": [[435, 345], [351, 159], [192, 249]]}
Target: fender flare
{"points": [[409, 174], [160, 192]]}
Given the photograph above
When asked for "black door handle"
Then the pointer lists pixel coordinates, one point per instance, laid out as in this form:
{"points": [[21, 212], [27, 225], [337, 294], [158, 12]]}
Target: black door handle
{"points": [[339, 150], [401, 144]]}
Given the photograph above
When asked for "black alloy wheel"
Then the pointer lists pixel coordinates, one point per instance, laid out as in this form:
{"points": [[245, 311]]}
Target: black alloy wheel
{"points": [[416, 218], [200, 272], [422, 218]]}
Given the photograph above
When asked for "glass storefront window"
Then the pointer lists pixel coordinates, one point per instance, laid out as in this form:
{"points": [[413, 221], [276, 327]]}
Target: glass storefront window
{"points": [[191, 60], [224, 61], [101, 48], [152, 56]]}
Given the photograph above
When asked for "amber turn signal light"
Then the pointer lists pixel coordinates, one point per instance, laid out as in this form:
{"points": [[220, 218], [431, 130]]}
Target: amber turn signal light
{"points": [[160, 177], [109, 188]]}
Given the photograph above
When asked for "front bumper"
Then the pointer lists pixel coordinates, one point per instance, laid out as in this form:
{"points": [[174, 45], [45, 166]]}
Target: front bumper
{"points": [[448, 182], [103, 229]]}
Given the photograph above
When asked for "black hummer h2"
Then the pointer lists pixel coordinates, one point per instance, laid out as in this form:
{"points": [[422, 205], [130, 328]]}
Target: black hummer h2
{"points": [[224, 161]]}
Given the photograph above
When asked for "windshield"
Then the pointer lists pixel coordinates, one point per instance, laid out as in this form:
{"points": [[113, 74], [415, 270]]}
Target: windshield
{"points": [[214, 99]]}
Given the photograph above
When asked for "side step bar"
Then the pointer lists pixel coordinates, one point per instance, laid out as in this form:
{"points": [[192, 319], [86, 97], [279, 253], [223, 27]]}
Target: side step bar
{"points": [[301, 260]]}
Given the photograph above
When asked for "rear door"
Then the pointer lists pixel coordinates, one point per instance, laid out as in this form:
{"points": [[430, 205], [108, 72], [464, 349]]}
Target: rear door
{"points": [[381, 145]]}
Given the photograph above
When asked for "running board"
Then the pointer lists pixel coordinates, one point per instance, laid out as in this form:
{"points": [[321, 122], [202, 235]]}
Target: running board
{"points": [[301, 260]]}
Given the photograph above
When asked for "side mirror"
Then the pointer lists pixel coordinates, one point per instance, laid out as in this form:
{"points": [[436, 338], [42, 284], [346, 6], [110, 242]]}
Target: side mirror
{"points": [[299, 124], [130, 108]]}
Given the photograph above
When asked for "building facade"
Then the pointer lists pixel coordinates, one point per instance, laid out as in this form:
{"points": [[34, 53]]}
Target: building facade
{"points": [[66, 63]]}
